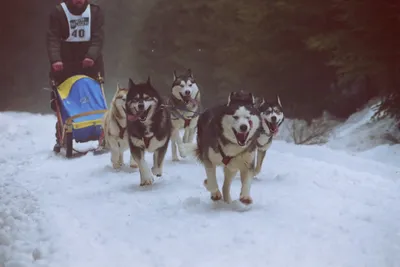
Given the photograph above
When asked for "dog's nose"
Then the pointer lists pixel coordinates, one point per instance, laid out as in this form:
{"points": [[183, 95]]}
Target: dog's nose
{"points": [[243, 127], [187, 92], [141, 106], [273, 119]]}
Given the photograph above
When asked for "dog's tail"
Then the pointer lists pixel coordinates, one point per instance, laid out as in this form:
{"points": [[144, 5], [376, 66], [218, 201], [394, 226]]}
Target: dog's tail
{"points": [[191, 149]]}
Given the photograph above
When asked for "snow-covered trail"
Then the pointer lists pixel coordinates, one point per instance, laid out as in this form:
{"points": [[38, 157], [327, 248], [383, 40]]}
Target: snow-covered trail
{"points": [[312, 207]]}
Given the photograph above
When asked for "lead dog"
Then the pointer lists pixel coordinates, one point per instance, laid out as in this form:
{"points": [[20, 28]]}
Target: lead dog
{"points": [[227, 136], [184, 104], [114, 125], [149, 128]]}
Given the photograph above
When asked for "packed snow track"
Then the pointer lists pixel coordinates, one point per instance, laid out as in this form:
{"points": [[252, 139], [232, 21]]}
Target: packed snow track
{"points": [[313, 207]]}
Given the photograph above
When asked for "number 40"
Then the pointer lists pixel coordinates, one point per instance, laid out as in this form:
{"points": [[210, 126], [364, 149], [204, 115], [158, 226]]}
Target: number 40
{"points": [[81, 33]]}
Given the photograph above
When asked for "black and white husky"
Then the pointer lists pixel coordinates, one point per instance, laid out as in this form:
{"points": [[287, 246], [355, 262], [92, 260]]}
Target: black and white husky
{"points": [[272, 117], [227, 136], [149, 128], [184, 104]]}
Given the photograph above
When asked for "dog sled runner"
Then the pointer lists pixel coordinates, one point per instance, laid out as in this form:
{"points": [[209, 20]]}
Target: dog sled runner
{"points": [[80, 107]]}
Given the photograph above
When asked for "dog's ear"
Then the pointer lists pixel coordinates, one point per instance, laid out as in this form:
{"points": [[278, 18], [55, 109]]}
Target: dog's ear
{"points": [[261, 101], [118, 87], [279, 101], [131, 84], [190, 73], [148, 80], [174, 75], [231, 95], [253, 101]]}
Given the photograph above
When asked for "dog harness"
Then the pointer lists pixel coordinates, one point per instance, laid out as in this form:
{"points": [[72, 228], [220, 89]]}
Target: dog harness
{"points": [[269, 140], [225, 159], [121, 131], [79, 25], [146, 140], [178, 105]]}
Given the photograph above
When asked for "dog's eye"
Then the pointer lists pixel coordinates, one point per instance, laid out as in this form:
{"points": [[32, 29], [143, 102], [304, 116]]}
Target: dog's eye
{"points": [[236, 117]]}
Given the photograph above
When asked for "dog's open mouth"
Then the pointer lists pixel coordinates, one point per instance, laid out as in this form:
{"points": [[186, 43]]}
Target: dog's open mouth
{"points": [[241, 137], [273, 127], [143, 114], [139, 115], [186, 98]]}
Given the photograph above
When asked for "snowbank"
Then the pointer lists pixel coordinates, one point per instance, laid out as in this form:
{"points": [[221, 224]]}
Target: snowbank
{"points": [[24, 241], [359, 133]]}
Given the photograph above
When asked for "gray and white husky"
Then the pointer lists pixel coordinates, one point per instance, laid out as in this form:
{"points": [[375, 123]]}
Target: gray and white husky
{"points": [[149, 128], [184, 104], [272, 117], [227, 136]]}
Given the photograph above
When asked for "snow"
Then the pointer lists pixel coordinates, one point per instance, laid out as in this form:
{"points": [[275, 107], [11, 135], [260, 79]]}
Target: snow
{"points": [[360, 132], [313, 206]]}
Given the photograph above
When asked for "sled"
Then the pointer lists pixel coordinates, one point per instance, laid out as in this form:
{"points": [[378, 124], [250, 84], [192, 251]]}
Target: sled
{"points": [[80, 107]]}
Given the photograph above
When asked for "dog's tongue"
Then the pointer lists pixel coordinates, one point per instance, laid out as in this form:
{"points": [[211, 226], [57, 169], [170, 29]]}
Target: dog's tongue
{"points": [[241, 137], [132, 117], [274, 129]]}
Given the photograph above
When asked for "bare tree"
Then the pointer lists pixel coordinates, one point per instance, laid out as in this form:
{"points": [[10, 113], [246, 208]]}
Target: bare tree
{"points": [[315, 132]]}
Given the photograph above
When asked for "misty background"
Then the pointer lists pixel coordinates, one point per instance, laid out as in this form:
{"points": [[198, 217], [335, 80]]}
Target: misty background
{"points": [[316, 55]]}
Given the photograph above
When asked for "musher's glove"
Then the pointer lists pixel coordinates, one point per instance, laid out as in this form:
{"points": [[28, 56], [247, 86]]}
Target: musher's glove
{"points": [[87, 62]]}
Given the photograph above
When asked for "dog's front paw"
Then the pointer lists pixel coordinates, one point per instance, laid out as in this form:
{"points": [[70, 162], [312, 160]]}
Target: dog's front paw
{"points": [[247, 200], [146, 182], [215, 193], [116, 165], [134, 165], [216, 196], [182, 151], [156, 171]]}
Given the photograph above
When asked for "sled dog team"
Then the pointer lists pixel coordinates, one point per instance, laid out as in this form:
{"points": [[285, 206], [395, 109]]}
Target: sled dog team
{"points": [[235, 135]]}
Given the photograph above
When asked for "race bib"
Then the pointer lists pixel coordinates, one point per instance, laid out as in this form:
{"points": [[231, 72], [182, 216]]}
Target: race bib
{"points": [[79, 26]]}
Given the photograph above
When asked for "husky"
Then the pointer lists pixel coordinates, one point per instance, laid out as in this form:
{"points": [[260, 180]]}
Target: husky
{"points": [[149, 128], [184, 104], [272, 117], [227, 136], [114, 125]]}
